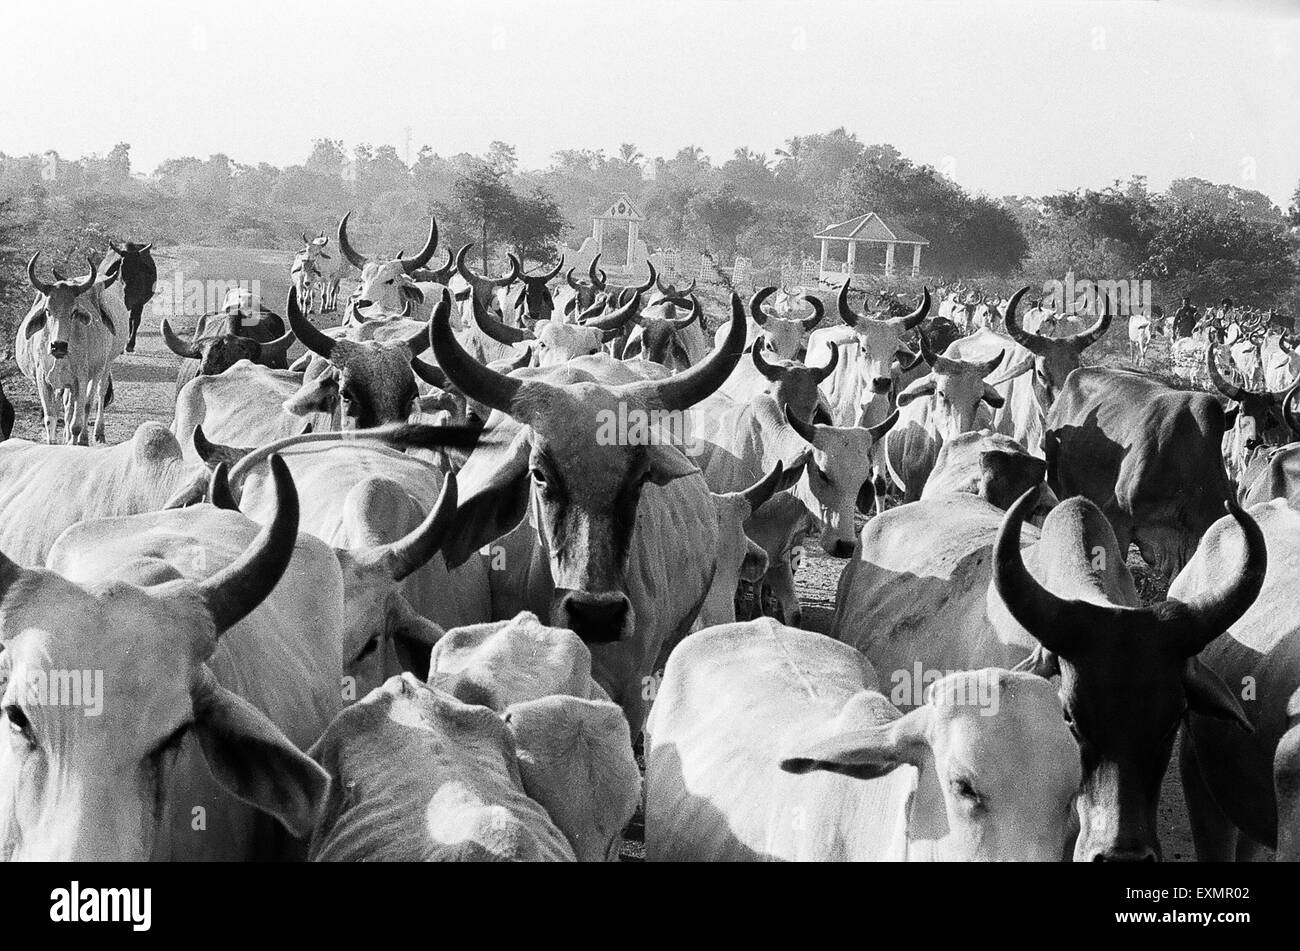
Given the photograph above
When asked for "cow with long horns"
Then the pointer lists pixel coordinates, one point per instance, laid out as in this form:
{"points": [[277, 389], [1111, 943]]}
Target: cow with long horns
{"points": [[389, 288]]}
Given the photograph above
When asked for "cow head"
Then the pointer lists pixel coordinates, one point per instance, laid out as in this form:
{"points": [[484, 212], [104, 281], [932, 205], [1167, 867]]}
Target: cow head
{"points": [[881, 342], [1128, 674], [218, 352], [585, 294], [584, 487], [533, 300], [386, 288], [656, 336], [369, 381], [559, 343], [483, 289], [77, 787], [1054, 358], [1252, 416], [783, 338], [840, 462], [794, 385], [955, 388], [60, 313]]}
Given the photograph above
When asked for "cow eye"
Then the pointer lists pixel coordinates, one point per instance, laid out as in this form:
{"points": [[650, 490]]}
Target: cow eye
{"points": [[372, 645], [19, 724], [964, 789], [539, 476]]}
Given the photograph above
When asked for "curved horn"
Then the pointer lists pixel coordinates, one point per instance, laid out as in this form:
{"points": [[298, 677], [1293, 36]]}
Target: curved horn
{"points": [[306, 240], [1289, 413], [501, 333], [1032, 342], [463, 269], [568, 276], [1193, 624], [472, 378], [615, 319], [549, 276], [819, 311], [178, 346], [358, 261], [662, 290], [654, 279], [681, 323], [807, 431], [988, 366], [690, 386], [842, 301], [913, 360], [910, 321], [1035, 608], [37, 283], [516, 268], [144, 249], [443, 274], [1231, 391], [688, 290], [821, 373], [762, 490], [407, 555], [596, 282], [410, 265], [278, 347], [236, 590], [315, 341], [878, 431], [429, 373], [936, 362], [1086, 338], [771, 372], [417, 342], [219, 493], [756, 304]]}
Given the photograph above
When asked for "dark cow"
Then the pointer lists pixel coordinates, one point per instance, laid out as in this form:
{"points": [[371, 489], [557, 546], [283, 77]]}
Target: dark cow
{"points": [[1148, 456], [532, 301], [139, 275], [483, 288], [222, 340], [1128, 673]]}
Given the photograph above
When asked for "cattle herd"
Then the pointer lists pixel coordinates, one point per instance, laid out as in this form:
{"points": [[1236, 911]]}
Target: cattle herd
{"points": [[429, 590]]}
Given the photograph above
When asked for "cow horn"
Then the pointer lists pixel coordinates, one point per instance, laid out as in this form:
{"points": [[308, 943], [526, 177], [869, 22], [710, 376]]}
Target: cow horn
{"points": [[615, 319], [144, 249], [219, 493], [807, 431], [694, 384], [358, 261], [1197, 622], [119, 251], [762, 490], [821, 373], [1086, 338], [408, 554], [306, 240], [516, 268], [178, 346], [756, 305], [596, 282], [1230, 390], [429, 373], [278, 347], [819, 311], [318, 343], [771, 372], [988, 366], [417, 342], [910, 321], [501, 333], [568, 276], [662, 290], [411, 265], [681, 323], [913, 360], [550, 275], [1032, 606], [878, 431], [37, 283], [472, 378], [653, 280], [1032, 342], [842, 301], [236, 590], [940, 364]]}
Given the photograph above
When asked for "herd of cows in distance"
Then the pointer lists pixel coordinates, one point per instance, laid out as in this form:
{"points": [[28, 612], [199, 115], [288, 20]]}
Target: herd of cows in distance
{"points": [[425, 592]]}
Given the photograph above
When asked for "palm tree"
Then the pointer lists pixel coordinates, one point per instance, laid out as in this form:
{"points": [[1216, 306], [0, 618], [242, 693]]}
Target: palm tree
{"points": [[628, 153]]}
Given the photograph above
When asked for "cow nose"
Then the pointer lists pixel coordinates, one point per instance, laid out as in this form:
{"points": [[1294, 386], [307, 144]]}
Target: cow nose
{"points": [[881, 384], [596, 617], [840, 548], [363, 302], [59, 348], [1133, 852]]}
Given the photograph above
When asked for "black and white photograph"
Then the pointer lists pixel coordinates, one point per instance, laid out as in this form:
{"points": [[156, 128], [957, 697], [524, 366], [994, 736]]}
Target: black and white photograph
{"points": [[693, 431]]}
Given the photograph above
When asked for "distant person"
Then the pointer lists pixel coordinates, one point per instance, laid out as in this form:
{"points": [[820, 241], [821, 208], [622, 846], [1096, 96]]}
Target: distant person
{"points": [[1184, 319]]}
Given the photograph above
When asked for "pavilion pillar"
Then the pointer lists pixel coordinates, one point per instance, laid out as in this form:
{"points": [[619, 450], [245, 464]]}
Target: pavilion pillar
{"points": [[853, 256], [598, 232], [916, 260], [826, 254], [889, 258], [632, 234]]}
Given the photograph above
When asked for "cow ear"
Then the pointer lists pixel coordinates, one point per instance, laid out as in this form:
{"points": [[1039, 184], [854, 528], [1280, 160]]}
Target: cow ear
{"points": [[918, 388], [1209, 696], [869, 753], [494, 501], [1040, 662], [36, 323], [253, 760], [666, 464], [1230, 416], [413, 292], [321, 395], [992, 397]]}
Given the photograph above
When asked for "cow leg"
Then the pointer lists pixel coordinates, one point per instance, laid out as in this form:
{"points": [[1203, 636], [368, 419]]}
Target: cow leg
{"points": [[1213, 833], [100, 386], [881, 486], [75, 416], [134, 324], [781, 600], [50, 421]]}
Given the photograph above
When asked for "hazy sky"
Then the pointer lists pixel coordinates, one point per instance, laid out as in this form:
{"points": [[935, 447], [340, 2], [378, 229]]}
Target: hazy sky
{"points": [[1005, 96]]}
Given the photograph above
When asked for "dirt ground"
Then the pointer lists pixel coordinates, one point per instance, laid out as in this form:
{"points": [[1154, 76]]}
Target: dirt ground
{"points": [[144, 387]]}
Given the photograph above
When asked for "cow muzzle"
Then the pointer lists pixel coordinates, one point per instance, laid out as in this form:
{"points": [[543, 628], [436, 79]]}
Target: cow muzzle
{"points": [[881, 384], [597, 617], [58, 349]]}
